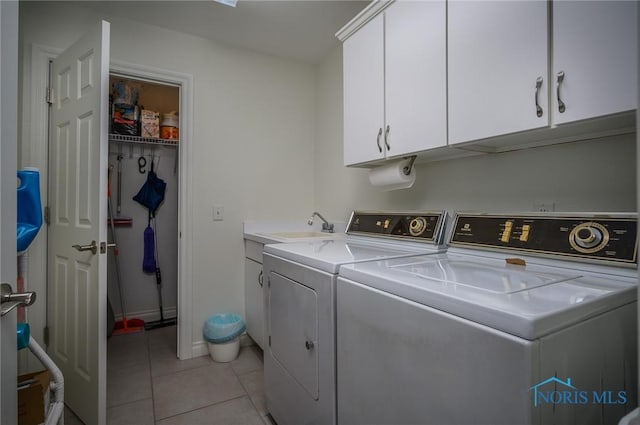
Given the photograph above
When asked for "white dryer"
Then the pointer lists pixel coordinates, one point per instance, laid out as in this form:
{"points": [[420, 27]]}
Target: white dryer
{"points": [[299, 357], [524, 320]]}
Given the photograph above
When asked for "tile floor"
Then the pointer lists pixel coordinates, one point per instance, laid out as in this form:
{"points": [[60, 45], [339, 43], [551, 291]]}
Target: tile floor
{"points": [[147, 384]]}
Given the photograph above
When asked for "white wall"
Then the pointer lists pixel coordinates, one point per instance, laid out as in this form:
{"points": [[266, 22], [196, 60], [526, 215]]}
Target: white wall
{"points": [[598, 175], [252, 139]]}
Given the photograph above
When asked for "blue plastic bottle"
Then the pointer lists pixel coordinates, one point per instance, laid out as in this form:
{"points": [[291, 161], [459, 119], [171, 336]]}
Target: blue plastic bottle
{"points": [[29, 207]]}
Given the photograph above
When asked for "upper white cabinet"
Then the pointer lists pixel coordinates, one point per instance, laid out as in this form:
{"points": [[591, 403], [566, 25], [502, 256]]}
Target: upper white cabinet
{"points": [[501, 80], [486, 76], [415, 77], [595, 57], [363, 81], [497, 68], [395, 83]]}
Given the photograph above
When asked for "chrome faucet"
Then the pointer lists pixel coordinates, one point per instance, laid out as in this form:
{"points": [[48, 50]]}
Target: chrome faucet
{"points": [[326, 226]]}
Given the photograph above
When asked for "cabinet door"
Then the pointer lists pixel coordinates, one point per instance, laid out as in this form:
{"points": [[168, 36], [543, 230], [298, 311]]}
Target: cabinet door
{"points": [[254, 305], [293, 329], [595, 45], [497, 51], [415, 76], [363, 70]]}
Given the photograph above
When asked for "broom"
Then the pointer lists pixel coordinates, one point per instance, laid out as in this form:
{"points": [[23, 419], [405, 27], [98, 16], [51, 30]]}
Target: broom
{"points": [[125, 325]]}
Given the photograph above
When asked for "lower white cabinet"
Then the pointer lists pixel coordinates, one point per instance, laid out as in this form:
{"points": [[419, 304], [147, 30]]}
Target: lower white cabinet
{"points": [[254, 307]]}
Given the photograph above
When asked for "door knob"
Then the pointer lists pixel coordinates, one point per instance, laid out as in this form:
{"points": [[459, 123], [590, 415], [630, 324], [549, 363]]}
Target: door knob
{"points": [[10, 300], [93, 247]]}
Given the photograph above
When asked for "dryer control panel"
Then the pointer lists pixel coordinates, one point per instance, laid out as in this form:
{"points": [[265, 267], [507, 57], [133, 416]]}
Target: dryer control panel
{"points": [[610, 238], [416, 226]]}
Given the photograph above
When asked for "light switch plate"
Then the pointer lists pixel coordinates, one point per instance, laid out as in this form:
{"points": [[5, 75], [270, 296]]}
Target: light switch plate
{"points": [[218, 213]]}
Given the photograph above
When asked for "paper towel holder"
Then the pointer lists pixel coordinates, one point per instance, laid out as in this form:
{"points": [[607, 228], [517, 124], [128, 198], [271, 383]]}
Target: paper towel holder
{"points": [[407, 168]]}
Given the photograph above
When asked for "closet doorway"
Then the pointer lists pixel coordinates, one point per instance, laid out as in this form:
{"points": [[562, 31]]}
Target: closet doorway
{"points": [[142, 274], [36, 149], [161, 91]]}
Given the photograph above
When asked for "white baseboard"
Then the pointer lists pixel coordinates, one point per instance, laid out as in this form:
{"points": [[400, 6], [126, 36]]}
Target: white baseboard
{"points": [[150, 315]]}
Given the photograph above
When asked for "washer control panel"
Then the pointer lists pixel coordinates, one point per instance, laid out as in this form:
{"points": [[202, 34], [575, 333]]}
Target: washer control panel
{"points": [[595, 237], [417, 226]]}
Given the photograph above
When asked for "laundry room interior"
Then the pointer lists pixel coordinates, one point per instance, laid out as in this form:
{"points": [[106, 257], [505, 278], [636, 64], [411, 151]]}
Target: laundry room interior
{"points": [[261, 140]]}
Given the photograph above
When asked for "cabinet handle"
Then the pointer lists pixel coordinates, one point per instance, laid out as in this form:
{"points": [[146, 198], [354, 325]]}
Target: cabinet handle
{"points": [[386, 137], [260, 279], [378, 140], [538, 107], [309, 345], [561, 106]]}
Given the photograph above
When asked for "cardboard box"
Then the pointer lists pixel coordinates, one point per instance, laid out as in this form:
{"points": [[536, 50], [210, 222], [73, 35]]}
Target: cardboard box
{"points": [[125, 120], [150, 123], [33, 397]]}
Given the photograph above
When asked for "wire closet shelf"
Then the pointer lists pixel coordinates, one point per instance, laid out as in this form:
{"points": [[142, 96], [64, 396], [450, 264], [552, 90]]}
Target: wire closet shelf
{"points": [[120, 138]]}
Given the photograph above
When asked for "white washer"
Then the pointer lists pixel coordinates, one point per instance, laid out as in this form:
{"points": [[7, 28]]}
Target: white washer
{"points": [[469, 337], [299, 357]]}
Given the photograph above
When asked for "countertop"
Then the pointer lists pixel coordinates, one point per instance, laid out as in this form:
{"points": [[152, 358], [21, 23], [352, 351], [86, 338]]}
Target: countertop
{"points": [[277, 231]]}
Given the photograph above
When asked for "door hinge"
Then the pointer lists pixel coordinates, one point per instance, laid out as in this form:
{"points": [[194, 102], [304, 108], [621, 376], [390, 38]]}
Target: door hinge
{"points": [[268, 282], [45, 336], [50, 96], [269, 340], [46, 215]]}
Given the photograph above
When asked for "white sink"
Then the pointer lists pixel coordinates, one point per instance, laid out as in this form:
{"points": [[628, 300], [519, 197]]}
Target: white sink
{"points": [[301, 235]]}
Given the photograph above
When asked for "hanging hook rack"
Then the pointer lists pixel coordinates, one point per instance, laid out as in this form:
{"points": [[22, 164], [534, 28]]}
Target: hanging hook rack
{"points": [[142, 161]]}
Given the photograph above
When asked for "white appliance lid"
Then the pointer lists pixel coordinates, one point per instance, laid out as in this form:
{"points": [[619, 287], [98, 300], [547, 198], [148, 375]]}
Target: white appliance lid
{"points": [[529, 301], [328, 255]]}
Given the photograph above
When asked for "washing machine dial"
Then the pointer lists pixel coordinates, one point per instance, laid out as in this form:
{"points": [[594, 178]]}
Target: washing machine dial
{"points": [[417, 226], [589, 237]]}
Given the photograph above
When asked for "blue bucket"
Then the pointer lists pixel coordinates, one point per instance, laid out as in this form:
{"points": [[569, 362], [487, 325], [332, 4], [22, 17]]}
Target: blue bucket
{"points": [[29, 207]]}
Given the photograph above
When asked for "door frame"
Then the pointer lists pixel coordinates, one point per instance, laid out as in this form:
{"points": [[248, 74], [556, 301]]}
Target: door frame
{"points": [[34, 152]]}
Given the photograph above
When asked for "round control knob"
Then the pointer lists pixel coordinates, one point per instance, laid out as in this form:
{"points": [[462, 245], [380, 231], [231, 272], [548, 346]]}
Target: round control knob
{"points": [[417, 226], [588, 237]]}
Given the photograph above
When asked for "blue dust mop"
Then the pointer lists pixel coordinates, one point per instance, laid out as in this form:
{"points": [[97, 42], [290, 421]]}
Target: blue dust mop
{"points": [[149, 258], [151, 195]]}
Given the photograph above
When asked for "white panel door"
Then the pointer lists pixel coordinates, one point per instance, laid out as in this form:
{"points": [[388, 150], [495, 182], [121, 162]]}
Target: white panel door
{"points": [[415, 77], [8, 160], [497, 51], [363, 82], [77, 296], [595, 46]]}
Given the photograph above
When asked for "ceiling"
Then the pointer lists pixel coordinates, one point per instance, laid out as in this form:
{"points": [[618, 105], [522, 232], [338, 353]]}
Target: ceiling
{"points": [[302, 30]]}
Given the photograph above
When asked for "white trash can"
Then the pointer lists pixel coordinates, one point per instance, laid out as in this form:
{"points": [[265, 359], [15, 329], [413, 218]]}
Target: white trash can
{"points": [[224, 352], [222, 333]]}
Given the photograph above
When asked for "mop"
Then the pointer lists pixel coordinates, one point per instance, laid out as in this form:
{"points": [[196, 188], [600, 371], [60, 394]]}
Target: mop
{"points": [[151, 195], [125, 325], [162, 322]]}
